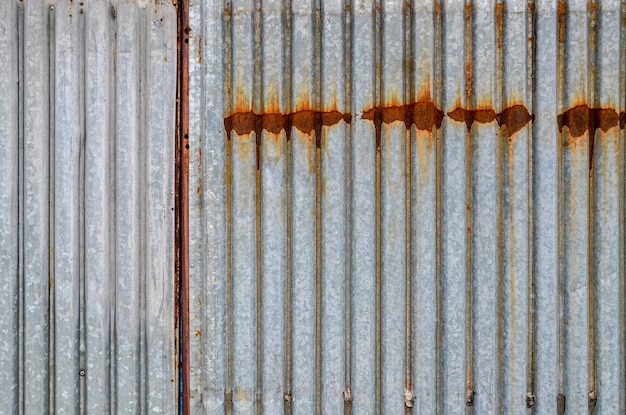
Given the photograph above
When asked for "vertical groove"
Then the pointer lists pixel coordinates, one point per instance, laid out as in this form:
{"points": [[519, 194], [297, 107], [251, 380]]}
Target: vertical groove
{"points": [[183, 194], [288, 216], [438, 101], [347, 34], [409, 96], [82, 214], [500, 103], [621, 207], [51, 205], [113, 215], [143, 205], [378, 87], [562, 9], [257, 105], [531, 35], [593, 102], [20, 209], [317, 103], [469, 280], [228, 82]]}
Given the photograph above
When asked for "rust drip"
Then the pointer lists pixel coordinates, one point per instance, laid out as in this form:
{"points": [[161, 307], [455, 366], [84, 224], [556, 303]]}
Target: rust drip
{"points": [[581, 119]]}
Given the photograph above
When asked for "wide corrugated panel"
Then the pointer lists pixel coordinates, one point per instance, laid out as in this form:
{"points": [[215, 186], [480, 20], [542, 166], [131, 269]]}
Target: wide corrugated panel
{"points": [[407, 204], [87, 117]]}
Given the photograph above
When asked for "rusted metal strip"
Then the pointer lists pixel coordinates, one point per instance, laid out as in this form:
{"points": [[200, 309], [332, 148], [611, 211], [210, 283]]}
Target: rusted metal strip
{"points": [[181, 246]]}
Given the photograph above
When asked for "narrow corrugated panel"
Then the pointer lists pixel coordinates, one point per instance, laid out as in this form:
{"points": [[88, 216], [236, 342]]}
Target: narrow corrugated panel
{"points": [[87, 117], [407, 204]]}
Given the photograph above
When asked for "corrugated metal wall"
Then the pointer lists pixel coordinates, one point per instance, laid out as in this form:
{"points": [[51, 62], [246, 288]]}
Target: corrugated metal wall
{"points": [[87, 118], [407, 204]]}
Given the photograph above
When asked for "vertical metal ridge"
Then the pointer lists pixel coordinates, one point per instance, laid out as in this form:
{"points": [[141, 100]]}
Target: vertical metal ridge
{"points": [[144, 27], [51, 208], [469, 212], [318, 100], [409, 96], [82, 212], [438, 94], [258, 107], [531, 34], [287, 68], [113, 212], [378, 231], [21, 375], [593, 103], [622, 208], [348, 51], [561, 376], [499, 104], [229, 100]]}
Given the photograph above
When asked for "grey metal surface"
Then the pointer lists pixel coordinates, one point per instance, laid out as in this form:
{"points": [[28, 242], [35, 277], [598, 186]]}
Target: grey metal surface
{"points": [[86, 208], [471, 265]]}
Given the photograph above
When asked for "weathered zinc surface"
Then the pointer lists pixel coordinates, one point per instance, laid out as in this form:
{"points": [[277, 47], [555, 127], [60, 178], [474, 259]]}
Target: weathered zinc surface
{"points": [[407, 206], [87, 108]]}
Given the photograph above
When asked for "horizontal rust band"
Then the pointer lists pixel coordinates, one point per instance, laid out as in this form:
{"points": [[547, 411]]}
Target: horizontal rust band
{"points": [[425, 116]]}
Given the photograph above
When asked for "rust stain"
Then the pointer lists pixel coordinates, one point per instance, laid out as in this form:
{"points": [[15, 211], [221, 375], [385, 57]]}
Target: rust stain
{"points": [[306, 121], [581, 119], [198, 333], [561, 11], [499, 25], [514, 118], [423, 115]]}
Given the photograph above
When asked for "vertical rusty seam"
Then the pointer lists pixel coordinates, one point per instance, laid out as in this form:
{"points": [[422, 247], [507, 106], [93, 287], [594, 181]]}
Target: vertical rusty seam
{"points": [[82, 214], [592, 102], [229, 99], [500, 103], [182, 196], [561, 23], [347, 53], [21, 341], [622, 206], [469, 280], [438, 101], [531, 35], [378, 88], [317, 131], [288, 322], [51, 206], [258, 104], [409, 96]]}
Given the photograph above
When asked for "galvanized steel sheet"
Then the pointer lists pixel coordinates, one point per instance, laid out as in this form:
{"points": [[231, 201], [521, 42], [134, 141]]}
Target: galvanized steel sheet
{"points": [[87, 118], [407, 206]]}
